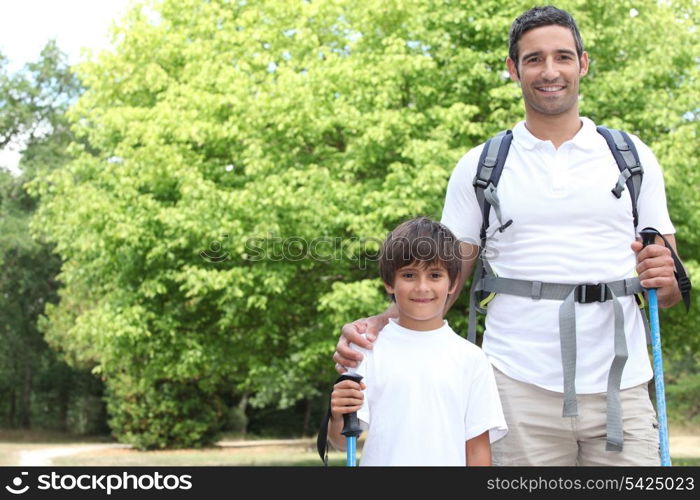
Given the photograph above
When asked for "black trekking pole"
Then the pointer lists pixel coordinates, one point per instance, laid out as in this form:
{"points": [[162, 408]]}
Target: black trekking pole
{"points": [[648, 238], [351, 429]]}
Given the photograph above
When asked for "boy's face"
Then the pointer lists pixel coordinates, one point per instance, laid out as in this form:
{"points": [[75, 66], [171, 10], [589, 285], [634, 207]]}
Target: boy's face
{"points": [[421, 293]]}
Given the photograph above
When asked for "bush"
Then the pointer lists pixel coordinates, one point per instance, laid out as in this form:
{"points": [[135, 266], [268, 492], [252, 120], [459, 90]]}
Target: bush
{"points": [[684, 400], [164, 414]]}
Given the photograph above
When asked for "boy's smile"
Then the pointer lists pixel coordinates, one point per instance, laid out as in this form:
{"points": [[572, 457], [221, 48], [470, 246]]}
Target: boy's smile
{"points": [[421, 293]]}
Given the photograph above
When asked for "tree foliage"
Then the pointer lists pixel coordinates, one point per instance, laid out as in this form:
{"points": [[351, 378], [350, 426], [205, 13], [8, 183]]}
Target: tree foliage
{"points": [[245, 159], [37, 389]]}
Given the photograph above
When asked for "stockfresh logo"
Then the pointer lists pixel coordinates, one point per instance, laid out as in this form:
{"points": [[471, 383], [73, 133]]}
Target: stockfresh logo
{"points": [[16, 488]]}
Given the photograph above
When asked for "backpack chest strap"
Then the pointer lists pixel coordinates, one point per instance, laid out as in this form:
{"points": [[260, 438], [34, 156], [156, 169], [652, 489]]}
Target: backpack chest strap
{"points": [[569, 294], [586, 293]]}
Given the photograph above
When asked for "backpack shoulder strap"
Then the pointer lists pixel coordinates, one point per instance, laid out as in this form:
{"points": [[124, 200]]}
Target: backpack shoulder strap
{"points": [[488, 173], [627, 159]]}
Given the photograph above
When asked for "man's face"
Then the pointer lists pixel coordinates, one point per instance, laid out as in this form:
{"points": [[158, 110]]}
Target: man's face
{"points": [[549, 70]]}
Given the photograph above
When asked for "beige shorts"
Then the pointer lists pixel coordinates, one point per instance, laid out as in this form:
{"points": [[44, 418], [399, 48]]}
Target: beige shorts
{"points": [[539, 435]]}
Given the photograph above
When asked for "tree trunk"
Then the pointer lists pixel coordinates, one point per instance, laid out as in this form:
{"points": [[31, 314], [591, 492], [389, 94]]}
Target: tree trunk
{"points": [[242, 405], [26, 412], [307, 417], [64, 398], [13, 409]]}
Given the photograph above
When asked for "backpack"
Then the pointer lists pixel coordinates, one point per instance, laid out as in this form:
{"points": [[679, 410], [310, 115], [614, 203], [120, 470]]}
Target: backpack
{"points": [[493, 158], [485, 283]]}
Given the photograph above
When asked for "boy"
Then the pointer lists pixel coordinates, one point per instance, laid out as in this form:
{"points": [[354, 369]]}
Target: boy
{"points": [[428, 391]]}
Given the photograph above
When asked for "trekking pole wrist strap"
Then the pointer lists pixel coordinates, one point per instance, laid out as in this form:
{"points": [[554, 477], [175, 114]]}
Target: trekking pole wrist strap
{"points": [[682, 278], [322, 439]]}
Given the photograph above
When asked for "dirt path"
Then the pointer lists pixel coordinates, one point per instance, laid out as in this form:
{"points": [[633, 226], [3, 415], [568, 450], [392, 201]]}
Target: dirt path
{"points": [[45, 456], [684, 446]]}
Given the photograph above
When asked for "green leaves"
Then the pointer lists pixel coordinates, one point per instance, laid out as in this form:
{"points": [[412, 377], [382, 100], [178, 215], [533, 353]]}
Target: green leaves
{"points": [[245, 159]]}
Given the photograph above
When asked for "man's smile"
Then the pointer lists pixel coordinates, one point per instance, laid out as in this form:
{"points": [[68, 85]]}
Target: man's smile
{"points": [[550, 88]]}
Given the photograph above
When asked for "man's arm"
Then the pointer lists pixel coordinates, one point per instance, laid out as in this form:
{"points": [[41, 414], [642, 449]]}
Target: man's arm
{"points": [[655, 268], [352, 333], [479, 450]]}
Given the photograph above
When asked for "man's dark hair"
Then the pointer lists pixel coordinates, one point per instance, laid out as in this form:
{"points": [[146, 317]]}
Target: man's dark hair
{"points": [[536, 18], [420, 241]]}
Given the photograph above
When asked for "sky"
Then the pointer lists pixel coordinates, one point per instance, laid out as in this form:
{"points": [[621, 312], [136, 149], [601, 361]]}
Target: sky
{"points": [[26, 26]]}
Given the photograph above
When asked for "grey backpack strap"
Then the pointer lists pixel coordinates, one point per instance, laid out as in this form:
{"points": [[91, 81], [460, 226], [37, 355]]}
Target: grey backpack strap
{"points": [[482, 273], [570, 294], [627, 159], [614, 429], [488, 173], [473, 300]]}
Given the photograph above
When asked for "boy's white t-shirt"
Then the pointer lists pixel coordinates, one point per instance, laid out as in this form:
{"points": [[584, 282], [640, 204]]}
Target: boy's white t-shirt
{"points": [[428, 392]]}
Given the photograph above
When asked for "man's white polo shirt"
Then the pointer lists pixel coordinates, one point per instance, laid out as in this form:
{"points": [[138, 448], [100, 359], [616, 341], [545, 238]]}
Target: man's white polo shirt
{"points": [[567, 228]]}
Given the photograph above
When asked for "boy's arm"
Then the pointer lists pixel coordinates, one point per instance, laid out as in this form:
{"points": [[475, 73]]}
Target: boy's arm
{"points": [[334, 436], [347, 397], [479, 450]]}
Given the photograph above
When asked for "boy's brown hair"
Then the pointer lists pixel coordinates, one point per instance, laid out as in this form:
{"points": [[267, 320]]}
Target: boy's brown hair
{"points": [[420, 240]]}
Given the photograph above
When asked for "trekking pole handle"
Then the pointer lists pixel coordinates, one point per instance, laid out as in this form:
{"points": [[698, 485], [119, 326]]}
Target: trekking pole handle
{"points": [[648, 237], [351, 422]]}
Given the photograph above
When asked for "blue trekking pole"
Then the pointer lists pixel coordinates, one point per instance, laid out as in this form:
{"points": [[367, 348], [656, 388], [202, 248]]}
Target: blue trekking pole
{"points": [[351, 429], [648, 238]]}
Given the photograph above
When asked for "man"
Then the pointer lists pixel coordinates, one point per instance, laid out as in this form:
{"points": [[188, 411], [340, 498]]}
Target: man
{"points": [[567, 228]]}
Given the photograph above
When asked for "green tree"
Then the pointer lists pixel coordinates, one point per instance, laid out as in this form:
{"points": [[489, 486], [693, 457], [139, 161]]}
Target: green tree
{"points": [[283, 139], [37, 388]]}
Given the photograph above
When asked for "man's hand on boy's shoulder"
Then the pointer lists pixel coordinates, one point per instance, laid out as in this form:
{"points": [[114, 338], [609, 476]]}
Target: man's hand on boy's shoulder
{"points": [[353, 332]]}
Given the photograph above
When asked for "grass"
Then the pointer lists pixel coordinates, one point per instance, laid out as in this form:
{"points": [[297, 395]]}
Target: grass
{"points": [[44, 437], [685, 462], [264, 455], [300, 452], [251, 453]]}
